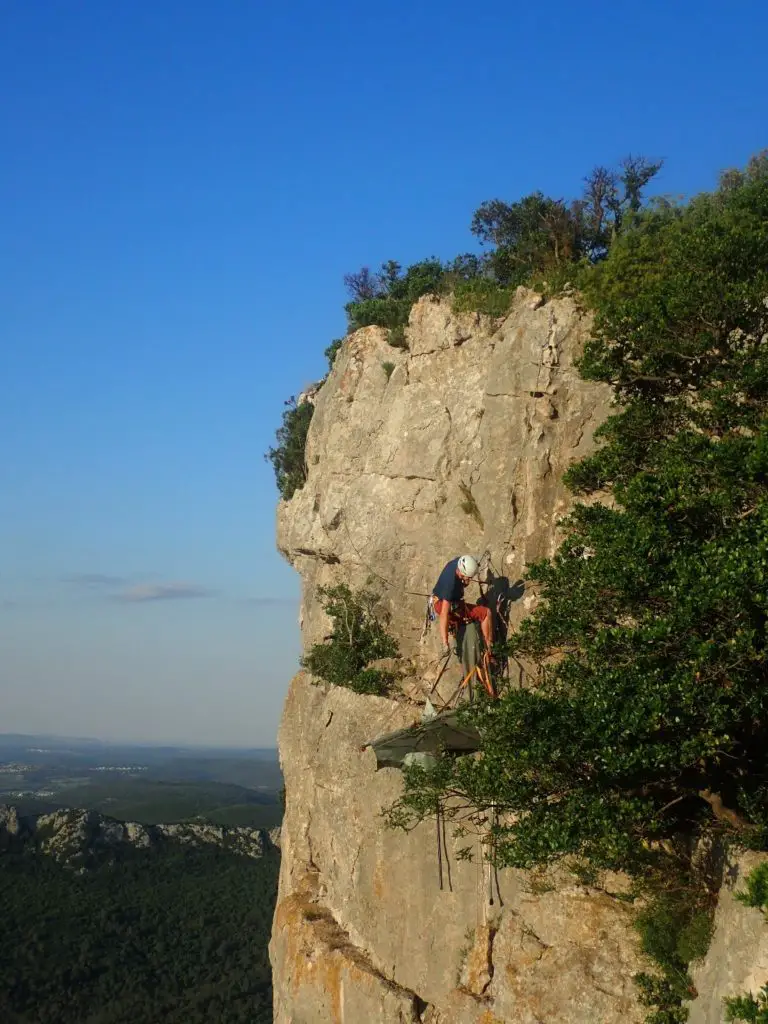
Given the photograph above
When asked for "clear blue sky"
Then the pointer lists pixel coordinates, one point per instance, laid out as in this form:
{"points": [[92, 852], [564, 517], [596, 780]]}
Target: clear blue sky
{"points": [[183, 185]]}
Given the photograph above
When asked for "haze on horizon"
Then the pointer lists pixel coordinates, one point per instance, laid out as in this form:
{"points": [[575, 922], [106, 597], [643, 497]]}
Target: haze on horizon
{"points": [[184, 186]]}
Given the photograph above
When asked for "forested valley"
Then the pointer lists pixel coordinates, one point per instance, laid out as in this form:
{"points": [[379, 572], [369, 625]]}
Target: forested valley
{"points": [[175, 934]]}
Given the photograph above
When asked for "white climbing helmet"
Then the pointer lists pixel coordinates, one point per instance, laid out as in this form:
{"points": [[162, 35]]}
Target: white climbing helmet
{"points": [[468, 566]]}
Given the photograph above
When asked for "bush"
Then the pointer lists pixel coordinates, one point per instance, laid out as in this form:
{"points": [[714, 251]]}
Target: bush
{"points": [[332, 351], [383, 312], [756, 894], [397, 337], [483, 295], [747, 1008], [385, 299], [358, 637], [388, 368], [287, 457]]}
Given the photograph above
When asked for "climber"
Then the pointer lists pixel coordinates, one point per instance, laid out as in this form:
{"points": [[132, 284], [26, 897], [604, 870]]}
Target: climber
{"points": [[449, 604]]}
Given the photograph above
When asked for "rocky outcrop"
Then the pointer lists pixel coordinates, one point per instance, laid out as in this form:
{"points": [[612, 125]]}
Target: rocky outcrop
{"points": [[363, 930], [77, 837], [461, 447]]}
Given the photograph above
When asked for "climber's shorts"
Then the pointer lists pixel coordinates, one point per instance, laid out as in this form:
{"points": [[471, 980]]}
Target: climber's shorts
{"points": [[461, 611]]}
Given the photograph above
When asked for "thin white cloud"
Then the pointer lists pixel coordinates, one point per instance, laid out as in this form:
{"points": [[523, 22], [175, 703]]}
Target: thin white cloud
{"points": [[140, 592], [94, 579]]}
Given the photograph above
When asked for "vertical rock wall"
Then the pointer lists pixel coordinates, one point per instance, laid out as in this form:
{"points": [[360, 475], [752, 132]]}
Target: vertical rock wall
{"points": [[458, 444], [460, 447]]}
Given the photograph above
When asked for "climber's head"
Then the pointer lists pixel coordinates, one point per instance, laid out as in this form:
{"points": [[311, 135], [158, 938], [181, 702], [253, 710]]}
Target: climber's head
{"points": [[467, 568]]}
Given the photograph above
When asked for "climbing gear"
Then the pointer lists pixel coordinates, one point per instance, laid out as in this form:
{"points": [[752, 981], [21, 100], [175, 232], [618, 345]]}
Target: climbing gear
{"points": [[443, 667], [483, 672], [468, 566], [475, 660], [430, 615]]}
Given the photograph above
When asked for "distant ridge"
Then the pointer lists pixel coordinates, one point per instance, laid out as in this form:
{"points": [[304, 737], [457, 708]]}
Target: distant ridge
{"points": [[81, 839]]}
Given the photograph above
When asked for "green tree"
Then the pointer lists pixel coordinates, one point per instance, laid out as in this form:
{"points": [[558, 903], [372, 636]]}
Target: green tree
{"points": [[358, 636], [531, 235], [287, 457], [539, 234], [332, 351], [385, 299]]}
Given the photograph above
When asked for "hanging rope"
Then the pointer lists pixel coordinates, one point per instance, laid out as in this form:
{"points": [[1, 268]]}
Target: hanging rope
{"points": [[447, 858], [439, 849]]}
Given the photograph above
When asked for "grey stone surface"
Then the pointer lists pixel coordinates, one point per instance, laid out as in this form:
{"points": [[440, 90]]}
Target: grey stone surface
{"points": [[737, 961], [364, 932], [462, 448]]}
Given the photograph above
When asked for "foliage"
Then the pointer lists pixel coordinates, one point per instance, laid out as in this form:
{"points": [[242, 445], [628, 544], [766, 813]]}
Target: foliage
{"points": [[174, 934], [358, 637], [483, 295], [385, 298], [662, 994], [529, 235], [152, 801], [539, 234], [756, 894], [287, 457], [396, 337], [675, 928], [747, 1008], [388, 368], [332, 351]]}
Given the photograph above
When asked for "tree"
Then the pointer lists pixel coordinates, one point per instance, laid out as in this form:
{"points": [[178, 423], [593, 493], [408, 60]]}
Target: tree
{"points": [[363, 285], [538, 233], [287, 457], [386, 298], [530, 235], [358, 636]]}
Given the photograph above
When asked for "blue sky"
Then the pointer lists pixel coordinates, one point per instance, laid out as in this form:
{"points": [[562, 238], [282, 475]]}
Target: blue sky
{"points": [[184, 184]]}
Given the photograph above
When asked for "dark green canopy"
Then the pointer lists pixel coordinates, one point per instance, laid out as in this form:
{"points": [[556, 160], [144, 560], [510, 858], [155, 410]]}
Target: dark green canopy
{"points": [[437, 735]]}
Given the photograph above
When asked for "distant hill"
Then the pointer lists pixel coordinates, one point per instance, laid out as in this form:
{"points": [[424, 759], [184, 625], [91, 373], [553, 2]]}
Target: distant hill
{"points": [[83, 838]]}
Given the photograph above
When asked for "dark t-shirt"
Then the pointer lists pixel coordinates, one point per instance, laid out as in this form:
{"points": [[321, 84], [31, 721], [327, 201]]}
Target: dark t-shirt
{"points": [[449, 587]]}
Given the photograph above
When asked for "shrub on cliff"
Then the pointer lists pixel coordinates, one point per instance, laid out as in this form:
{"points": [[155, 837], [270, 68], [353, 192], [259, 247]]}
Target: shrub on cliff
{"points": [[287, 457], [358, 637], [332, 351], [649, 714], [385, 298]]}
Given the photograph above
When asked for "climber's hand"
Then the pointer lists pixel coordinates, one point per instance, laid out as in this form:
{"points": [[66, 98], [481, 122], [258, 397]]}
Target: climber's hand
{"points": [[445, 652]]}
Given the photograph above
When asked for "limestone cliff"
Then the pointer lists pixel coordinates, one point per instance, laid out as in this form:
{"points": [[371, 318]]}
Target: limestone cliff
{"points": [[459, 444]]}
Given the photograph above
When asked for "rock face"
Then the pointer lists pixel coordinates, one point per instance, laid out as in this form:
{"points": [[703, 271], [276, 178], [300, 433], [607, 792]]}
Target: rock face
{"points": [[460, 447], [737, 961], [459, 444], [76, 837], [363, 931]]}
